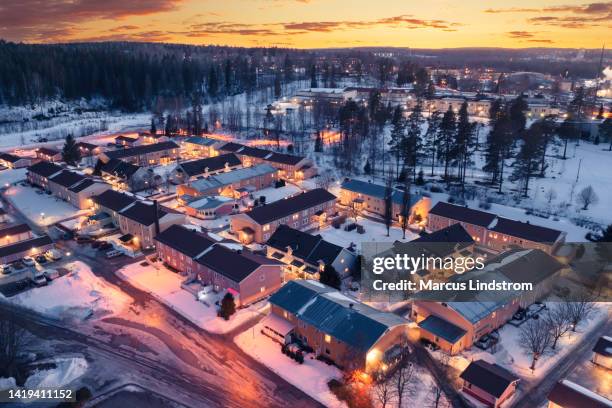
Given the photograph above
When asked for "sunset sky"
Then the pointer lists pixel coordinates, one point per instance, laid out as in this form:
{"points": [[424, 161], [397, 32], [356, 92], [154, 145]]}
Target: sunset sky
{"points": [[312, 23]]}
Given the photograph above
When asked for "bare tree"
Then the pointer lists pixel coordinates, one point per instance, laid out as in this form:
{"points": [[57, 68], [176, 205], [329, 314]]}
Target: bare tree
{"points": [[436, 398], [403, 374], [578, 308], [558, 323], [405, 207], [587, 197], [382, 389], [550, 195], [534, 338], [13, 340]]}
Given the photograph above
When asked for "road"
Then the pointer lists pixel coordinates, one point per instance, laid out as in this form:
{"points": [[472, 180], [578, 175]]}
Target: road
{"points": [[535, 394]]}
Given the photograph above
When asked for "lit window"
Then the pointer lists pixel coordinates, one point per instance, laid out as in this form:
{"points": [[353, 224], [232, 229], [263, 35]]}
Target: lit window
{"points": [[327, 338]]}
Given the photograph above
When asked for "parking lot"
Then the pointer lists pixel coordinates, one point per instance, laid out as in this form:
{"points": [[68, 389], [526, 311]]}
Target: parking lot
{"points": [[29, 272]]}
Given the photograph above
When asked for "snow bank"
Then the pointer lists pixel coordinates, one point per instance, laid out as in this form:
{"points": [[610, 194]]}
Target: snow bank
{"points": [[66, 371], [79, 294]]}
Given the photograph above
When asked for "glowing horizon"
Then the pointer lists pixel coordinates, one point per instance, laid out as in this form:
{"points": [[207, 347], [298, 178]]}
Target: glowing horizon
{"points": [[312, 23]]}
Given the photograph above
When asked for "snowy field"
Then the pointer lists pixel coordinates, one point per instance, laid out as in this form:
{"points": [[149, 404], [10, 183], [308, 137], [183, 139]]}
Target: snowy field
{"points": [[310, 377], [8, 177], [41, 209], [79, 294], [165, 285], [374, 232]]}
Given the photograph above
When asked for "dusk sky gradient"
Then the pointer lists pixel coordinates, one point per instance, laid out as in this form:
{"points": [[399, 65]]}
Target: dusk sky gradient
{"points": [[312, 23]]}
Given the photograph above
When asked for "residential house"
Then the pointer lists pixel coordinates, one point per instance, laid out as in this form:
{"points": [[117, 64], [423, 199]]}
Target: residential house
{"points": [[185, 172], [127, 141], [465, 316], [494, 232], [126, 176], [488, 383], [236, 183], [14, 233], [151, 138], [304, 212], [305, 255], [198, 146], [338, 328], [112, 203], [145, 155], [4, 217], [47, 154], [88, 149], [13, 161], [29, 247], [75, 188], [567, 394], [177, 247], [247, 276], [360, 196], [602, 352], [39, 174], [142, 221], [289, 166]]}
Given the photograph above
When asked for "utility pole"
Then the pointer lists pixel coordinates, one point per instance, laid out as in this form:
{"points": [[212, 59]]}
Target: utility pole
{"points": [[578, 172]]}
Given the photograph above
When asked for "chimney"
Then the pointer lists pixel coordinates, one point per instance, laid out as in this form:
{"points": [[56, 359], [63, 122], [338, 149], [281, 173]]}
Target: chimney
{"points": [[350, 305], [156, 217]]}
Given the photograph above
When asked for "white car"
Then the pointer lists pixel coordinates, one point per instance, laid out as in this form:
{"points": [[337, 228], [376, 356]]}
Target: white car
{"points": [[53, 255], [28, 261]]}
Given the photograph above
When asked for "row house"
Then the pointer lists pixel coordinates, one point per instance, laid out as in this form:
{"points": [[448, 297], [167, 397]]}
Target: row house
{"points": [[127, 141], [177, 247], [145, 155], [602, 352], [13, 161], [88, 149], [370, 197], [236, 183], [47, 154], [29, 247], [124, 175], [477, 106], [568, 394], [305, 256], [151, 138], [11, 234], [112, 202], [40, 173], [338, 328], [198, 146], [142, 221], [192, 170], [464, 317], [494, 232], [247, 276], [209, 208], [76, 188], [304, 212], [289, 166]]}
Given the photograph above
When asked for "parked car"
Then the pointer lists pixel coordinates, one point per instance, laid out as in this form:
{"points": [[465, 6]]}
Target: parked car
{"points": [[41, 259], [51, 274], [105, 246], [28, 261], [113, 254], [39, 278], [17, 265], [81, 239], [53, 255], [95, 244]]}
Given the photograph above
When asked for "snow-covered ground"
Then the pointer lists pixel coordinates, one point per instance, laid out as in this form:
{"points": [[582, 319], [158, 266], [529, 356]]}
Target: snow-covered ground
{"points": [[165, 285], [274, 194], [8, 177], [41, 209], [78, 294], [311, 377], [374, 232], [66, 370]]}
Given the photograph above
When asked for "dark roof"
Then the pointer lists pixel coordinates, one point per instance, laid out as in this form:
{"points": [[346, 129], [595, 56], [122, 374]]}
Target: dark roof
{"points": [[87, 146], [346, 319], [282, 208], [139, 150], [14, 229], [184, 240], [567, 394], [144, 214], [67, 178], [119, 168], [44, 168], [26, 245], [311, 248], [526, 230], [284, 158], [527, 266], [371, 189], [441, 243], [195, 167], [82, 185], [488, 377], [459, 213], [47, 151], [10, 157], [113, 200], [604, 346], [441, 328], [126, 138], [233, 265]]}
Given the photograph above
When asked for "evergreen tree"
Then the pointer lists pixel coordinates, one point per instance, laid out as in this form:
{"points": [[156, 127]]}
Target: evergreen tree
{"points": [[397, 141], [567, 131], [405, 207], [367, 169], [153, 129], [412, 142], [277, 86], [605, 131], [448, 131], [70, 151], [526, 162], [329, 276], [313, 76], [318, 147], [388, 204], [431, 137], [228, 306], [464, 143]]}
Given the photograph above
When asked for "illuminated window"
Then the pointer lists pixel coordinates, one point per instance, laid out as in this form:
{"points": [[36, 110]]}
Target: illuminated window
{"points": [[266, 227], [327, 338]]}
